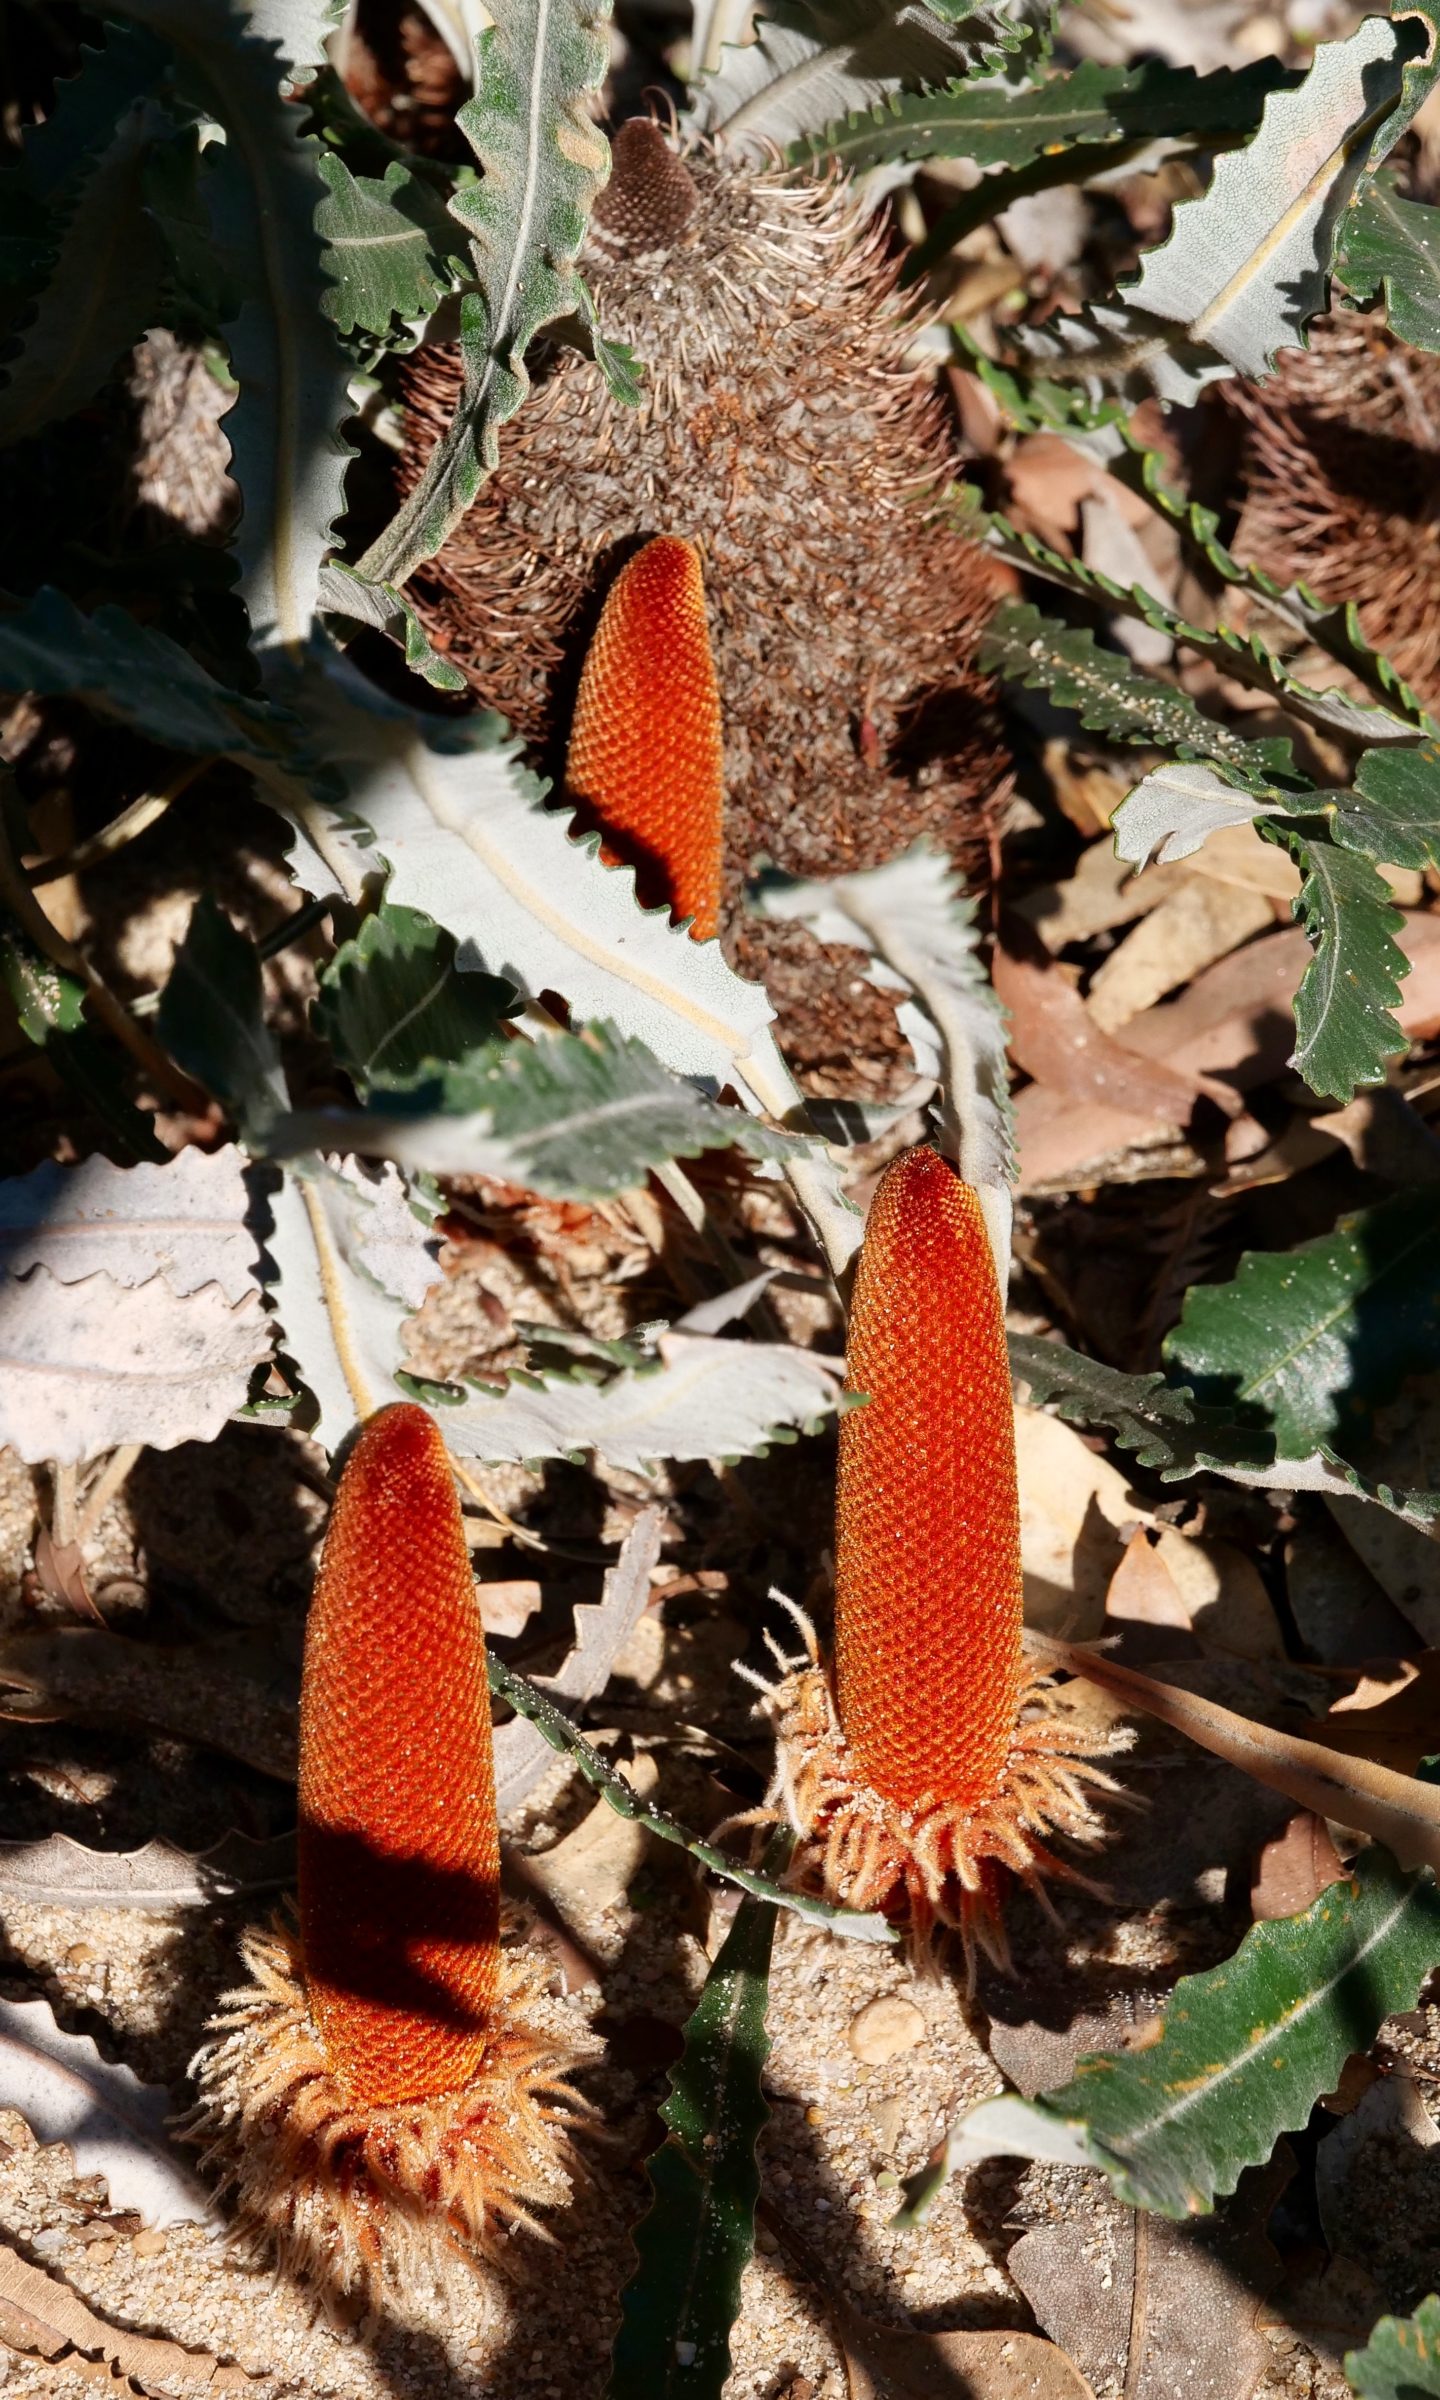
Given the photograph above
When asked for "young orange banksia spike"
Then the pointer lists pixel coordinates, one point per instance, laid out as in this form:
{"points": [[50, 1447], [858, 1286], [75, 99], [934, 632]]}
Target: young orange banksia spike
{"points": [[936, 1757], [390, 2089], [646, 751]]}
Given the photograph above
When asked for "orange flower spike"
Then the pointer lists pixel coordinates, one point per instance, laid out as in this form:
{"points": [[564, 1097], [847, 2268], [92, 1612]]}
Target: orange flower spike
{"points": [[399, 1844], [931, 1760], [646, 754], [387, 2095], [927, 1552]]}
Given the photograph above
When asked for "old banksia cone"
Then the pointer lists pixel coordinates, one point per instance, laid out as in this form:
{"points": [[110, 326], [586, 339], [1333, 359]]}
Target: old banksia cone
{"points": [[782, 428], [388, 2092], [645, 748], [934, 1759]]}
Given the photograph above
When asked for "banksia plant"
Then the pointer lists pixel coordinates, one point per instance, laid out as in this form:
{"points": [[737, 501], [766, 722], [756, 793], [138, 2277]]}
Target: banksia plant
{"points": [[779, 429], [930, 1762], [1342, 472], [388, 2094], [645, 750]]}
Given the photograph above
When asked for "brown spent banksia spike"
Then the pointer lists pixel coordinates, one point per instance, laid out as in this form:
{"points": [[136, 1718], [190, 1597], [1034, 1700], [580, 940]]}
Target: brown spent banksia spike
{"points": [[388, 2092], [645, 754], [781, 429], [934, 1761]]}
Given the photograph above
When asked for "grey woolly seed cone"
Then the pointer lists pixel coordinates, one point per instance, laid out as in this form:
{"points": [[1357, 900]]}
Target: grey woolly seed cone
{"points": [[781, 430]]}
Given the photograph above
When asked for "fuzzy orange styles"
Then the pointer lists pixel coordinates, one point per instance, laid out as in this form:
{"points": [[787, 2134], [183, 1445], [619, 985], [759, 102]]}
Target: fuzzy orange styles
{"points": [[927, 1552], [399, 1869], [645, 750]]}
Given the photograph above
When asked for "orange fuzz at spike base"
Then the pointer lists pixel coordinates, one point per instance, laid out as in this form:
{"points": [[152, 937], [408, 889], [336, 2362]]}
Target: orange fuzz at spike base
{"points": [[399, 1845], [389, 2091], [927, 1519], [646, 757], [923, 1771]]}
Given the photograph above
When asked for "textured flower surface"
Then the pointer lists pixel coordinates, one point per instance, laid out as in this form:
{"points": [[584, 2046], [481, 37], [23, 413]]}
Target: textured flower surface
{"points": [[388, 2091], [645, 749], [935, 1761]]}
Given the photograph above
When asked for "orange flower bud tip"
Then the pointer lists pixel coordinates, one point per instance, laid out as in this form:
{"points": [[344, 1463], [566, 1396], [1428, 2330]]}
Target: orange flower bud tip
{"points": [[929, 1764], [646, 754], [388, 2091]]}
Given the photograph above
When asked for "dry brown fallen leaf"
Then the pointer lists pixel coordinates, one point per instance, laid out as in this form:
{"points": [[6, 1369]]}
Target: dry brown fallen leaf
{"points": [[1189, 931], [1397, 1810], [40, 2316], [1103, 892], [1343, 1615], [1143, 1606], [1053, 1037], [1076, 1512], [237, 1695], [1294, 1868], [593, 1868], [1145, 2306]]}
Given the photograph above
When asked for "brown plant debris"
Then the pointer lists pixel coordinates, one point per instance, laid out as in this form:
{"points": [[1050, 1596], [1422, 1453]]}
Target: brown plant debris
{"points": [[780, 430]]}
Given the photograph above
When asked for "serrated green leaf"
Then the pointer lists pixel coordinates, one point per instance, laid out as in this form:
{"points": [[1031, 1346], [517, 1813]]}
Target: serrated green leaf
{"points": [[262, 188], [397, 1008], [623, 371], [1393, 812], [211, 1019], [1162, 1423], [101, 291], [696, 2238], [88, 105], [530, 1701], [1110, 696], [1246, 266], [131, 674], [995, 126], [1393, 245], [1345, 1029], [813, 60], [544, 160], [1312, 1341], [1401, 2360], [391, 245], [1242, 2053]]}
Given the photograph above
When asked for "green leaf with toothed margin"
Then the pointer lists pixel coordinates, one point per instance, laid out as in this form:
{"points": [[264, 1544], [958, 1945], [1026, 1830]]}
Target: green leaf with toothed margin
{"points": [[1240, 2056], [695, 2240], [1345, 1027], [1401, 2360]]}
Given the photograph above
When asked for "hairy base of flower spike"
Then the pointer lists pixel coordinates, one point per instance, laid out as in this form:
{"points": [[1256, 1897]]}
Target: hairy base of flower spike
{"points": [[938, 1863], [387, 2203]]}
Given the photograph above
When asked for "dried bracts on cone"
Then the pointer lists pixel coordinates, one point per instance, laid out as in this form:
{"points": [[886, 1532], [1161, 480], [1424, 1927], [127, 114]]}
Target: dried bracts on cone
{"points": [[781, 433]]}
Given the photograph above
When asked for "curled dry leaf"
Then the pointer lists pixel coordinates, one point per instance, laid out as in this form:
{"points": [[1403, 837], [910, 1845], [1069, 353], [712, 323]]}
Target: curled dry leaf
{"points": [[898, 2362], [238, 1695], [112, 2123], [90, 1366], [41, 2315], [1055, 1039], [602, 1628], [1394, 1809], [1294, 1868], [62, 1873]]}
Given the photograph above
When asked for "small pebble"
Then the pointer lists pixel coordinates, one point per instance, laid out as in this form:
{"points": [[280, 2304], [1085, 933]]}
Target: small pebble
{"points": [[883, 2028], [148, 2243]]}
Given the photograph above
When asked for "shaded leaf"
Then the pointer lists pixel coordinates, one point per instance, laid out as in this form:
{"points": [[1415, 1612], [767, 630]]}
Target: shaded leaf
{"points": [[1312, 1341], [131, 674], [1241, 2055], [390, 246], [346, 595], [234, 1695], [696, 2238], [211, 1018], [113, 2124], [1393, 813], [186, 1221], [396, 1006], [994, 125], [1162, 1423], [1392, 246]]}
